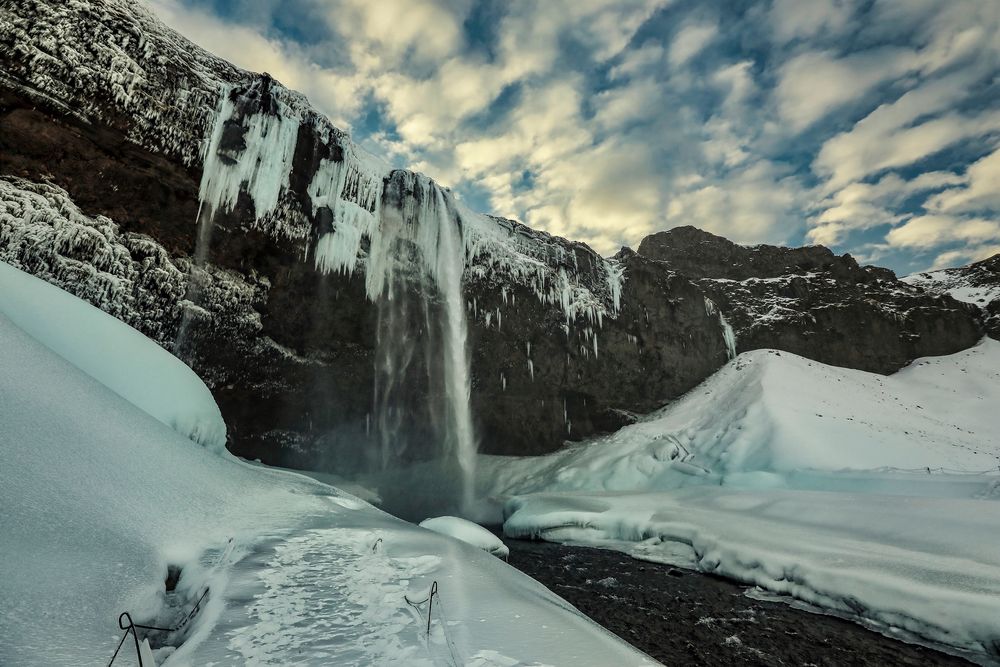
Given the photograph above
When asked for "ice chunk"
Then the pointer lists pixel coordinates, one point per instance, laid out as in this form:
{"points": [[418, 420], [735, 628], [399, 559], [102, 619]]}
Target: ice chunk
{"points": [[468, 532]]}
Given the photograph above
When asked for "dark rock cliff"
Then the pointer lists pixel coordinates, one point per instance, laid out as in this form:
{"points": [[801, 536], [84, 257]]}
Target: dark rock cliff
{"points": [[977, 284], [814, 303], [105, 125]]}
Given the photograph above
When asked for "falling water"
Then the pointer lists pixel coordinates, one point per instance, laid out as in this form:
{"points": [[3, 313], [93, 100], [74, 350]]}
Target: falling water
{"points": [[414, 266], [458, 385], [419, 248]]}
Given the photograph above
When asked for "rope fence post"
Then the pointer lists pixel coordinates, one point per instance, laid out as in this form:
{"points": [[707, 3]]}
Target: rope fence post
{"points": [[126, 623], [430, 605]]}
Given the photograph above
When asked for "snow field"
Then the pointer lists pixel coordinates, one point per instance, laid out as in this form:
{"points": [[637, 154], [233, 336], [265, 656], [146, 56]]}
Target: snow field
{"points": [[114, 354]]}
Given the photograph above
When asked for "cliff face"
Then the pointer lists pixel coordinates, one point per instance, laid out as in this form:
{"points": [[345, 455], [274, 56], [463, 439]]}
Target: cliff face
{"points": [[817, 304], [114, 130], [218, 213], [977, 284]]}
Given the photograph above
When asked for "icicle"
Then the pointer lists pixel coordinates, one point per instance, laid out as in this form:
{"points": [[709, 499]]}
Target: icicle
{"points": [[728, 335], [261, 169]]}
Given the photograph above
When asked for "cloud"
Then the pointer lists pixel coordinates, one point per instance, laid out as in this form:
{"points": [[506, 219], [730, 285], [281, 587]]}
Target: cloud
{"points": [[815, 84], [690, 41], [862, 206], [952, 258], [792, 19], [927, 231], [978, 191], [337, 93], [755, 204], [893, 136]]}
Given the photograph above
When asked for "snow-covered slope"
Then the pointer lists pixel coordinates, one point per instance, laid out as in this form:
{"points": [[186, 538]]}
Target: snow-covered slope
{"points": [[100, 500], [116, 355], [977, 283], [775, 414]]}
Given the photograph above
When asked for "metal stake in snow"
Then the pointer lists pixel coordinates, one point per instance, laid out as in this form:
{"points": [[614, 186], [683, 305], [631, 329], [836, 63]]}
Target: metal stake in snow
{"points": [[430, 604]]}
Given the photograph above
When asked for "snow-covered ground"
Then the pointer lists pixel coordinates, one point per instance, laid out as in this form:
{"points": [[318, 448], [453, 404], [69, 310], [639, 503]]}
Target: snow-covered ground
{"points": [[100, 499], [871, 496], [117, 356]]}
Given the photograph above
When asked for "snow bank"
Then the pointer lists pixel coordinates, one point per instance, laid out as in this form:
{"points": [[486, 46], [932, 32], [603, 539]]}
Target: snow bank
{"points": [[468, 532], [114, 354], [99, 498], [928, 567], [776, 418]]}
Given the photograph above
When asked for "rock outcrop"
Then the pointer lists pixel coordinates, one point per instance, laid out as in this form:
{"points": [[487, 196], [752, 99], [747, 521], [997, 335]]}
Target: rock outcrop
{"points": [[218, 213], [816, 304], [977, 284]]}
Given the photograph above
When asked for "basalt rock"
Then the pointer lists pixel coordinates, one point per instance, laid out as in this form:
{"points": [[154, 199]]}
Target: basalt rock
{"points": [[977, 284], [814, 303]]}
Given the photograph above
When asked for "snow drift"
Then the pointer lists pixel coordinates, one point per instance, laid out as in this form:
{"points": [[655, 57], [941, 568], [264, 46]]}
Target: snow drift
{"points": [[467, 532], [869, 496], [774, 417], [114, 354]]}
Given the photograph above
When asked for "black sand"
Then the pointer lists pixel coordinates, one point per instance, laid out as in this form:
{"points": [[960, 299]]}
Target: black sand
{"points": [[682, 617]]}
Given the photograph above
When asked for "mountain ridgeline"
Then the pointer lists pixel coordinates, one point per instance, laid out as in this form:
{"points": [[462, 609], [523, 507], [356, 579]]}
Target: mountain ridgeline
{"points": [[331, 302]]}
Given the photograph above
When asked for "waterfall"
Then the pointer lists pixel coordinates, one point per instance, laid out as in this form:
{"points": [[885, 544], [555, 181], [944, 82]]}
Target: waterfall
{"points": [[419, 248], [414, 266], [416, 245]]}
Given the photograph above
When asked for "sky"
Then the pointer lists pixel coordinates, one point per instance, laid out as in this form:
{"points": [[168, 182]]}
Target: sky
{"points": [[869, 126]]}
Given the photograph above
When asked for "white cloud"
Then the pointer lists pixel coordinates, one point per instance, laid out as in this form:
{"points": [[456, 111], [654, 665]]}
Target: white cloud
{"points": [[690, 41], [865, 205], [425, 30], [927, 231], [792, 19], [964, 256], [892, 136], [815, 84], [755, 204], [338, 94], [979, 191]]}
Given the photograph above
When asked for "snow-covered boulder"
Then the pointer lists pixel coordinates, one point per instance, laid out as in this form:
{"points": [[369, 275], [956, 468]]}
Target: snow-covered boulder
{"points": [[468, 532]]}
